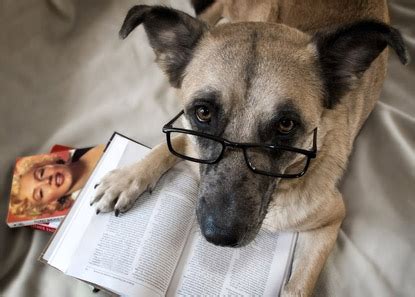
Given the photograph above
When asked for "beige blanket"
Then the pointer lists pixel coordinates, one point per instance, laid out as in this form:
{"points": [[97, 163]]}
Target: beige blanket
{"points": [[66, 77]]}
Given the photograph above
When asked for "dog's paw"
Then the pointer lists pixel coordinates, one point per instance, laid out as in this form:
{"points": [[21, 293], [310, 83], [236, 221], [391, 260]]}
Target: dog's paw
{"points": [[120, 188], [290, 291]]}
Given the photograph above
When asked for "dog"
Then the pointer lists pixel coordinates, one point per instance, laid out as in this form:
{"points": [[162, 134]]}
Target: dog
{"points": [[257, 79]]}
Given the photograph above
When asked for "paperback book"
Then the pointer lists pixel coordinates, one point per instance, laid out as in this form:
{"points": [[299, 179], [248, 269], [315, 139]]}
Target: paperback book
{"points": [[156, 249]]}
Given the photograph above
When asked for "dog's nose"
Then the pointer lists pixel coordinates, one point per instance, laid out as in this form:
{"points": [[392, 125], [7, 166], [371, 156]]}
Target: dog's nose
{"points": [[219, 236]]}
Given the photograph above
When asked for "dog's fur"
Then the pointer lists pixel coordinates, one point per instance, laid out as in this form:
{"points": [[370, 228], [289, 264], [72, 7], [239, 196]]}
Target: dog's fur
{"points": [[321, 63]]}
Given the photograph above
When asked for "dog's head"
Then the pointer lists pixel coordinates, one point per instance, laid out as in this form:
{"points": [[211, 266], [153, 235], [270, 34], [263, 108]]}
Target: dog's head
{"points": [[256, 83]]}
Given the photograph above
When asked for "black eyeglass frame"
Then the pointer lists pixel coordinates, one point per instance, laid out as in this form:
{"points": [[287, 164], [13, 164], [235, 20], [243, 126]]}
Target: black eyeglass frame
{"points": [[310, 154]]}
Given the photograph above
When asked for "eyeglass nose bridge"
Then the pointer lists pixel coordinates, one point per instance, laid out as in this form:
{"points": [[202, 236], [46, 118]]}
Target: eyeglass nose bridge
{"points": [[232, 145], [235, 146]]}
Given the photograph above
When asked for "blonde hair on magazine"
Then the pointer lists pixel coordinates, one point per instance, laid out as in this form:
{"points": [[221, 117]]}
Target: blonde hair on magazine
{"points": [[20, 204]]}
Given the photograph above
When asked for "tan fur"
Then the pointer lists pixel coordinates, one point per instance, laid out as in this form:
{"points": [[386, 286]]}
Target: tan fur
{"points": [[311, 205]]}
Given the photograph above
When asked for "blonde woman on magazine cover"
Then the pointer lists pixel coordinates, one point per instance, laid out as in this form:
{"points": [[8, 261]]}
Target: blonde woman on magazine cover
{"points": [[48, 183]]}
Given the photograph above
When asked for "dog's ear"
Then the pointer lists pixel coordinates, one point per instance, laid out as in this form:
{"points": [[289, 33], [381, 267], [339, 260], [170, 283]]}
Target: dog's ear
{"points": [[201, 5], [173, 36], [347, 52]]}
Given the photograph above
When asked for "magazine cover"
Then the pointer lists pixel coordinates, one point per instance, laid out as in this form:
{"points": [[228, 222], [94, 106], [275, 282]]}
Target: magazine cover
{"points": [[44, 187], [53, 225]]}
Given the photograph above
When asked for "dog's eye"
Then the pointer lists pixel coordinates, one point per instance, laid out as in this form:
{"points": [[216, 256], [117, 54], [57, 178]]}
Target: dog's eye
{"points": [[203, 114], [285, 126]]}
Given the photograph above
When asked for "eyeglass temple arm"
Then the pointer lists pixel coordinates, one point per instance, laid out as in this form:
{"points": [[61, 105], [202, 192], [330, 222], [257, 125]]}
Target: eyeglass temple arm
{"points": [[174, 119], [315, 143]]}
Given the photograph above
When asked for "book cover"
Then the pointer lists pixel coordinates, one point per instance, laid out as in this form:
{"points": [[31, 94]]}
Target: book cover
{"points": [[45, 186]]}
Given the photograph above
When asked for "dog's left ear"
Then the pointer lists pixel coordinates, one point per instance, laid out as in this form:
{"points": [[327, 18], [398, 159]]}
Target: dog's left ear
{"points": [[347, 52], [173, 35]]}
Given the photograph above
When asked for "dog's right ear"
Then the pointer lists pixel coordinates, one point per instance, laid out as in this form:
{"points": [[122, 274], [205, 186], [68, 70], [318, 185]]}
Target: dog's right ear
{"points": [[173, 35]]}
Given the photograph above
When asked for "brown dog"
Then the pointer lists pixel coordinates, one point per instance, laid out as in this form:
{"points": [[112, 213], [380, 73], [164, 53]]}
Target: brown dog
{"points": [[281, 77]]}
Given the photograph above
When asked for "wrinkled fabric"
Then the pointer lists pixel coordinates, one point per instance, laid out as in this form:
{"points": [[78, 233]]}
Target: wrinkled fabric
{"points": [[66, 77]]}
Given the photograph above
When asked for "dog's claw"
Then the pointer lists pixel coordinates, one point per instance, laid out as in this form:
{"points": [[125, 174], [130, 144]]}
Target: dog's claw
{"points": [[96, 185], [98, 211], [120, 188]]}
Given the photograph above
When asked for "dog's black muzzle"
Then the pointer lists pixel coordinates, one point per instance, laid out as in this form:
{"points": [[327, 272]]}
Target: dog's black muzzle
{"points": [[232, 202], [220, 226]]}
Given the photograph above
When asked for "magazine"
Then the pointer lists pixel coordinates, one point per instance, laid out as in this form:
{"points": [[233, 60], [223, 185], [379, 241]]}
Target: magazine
{"points": [[156, 249], [44, 187]]}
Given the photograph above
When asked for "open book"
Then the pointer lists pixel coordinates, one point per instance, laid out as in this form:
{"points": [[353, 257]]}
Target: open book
{"points": [[156, 249]]}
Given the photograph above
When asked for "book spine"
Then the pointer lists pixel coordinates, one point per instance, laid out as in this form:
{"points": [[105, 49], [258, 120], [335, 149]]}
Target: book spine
{"points": [[33, 222], [43, 228]]}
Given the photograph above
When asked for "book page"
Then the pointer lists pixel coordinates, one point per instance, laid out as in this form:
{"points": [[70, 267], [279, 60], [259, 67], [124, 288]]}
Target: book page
{"points": [[257, 269], [137, 252]]}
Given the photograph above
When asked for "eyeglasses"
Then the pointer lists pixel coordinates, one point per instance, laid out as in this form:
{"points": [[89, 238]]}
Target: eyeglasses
{"points": [[257, 155]]}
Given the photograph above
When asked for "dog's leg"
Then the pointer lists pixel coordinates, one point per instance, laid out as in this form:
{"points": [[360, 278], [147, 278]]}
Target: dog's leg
{"points": [[120, 188], [313, 248]]}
